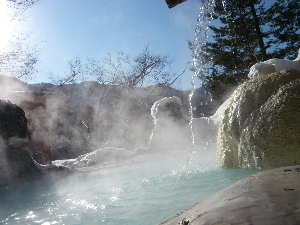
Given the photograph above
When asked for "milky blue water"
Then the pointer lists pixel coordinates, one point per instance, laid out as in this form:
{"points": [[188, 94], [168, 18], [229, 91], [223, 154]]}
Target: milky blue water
{"points": [[142, 194]]}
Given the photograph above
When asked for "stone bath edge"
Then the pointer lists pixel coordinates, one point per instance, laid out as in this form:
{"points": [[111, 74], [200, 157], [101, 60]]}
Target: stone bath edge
{"points": [[267, 197]]}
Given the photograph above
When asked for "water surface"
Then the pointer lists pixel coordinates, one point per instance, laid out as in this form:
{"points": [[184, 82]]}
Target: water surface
{"points": [[143, 193]]}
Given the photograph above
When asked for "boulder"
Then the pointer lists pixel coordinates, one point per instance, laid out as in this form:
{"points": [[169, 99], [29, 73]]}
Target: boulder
{"points": [[260, 127], [266, 198], [13, 121], [15, 160]]}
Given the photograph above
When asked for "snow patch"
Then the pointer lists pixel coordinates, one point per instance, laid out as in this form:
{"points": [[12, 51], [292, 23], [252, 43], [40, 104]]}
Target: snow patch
{"points": [[279, 64], [216, 118], [44, 167], [96, 158], [161, 103]]}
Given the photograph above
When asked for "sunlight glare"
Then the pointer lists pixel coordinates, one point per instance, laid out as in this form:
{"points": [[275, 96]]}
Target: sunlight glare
{"points": [[5, 28]]}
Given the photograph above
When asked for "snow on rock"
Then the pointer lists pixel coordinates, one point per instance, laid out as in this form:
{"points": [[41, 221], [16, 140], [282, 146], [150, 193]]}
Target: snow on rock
{"points": [[171, 132], [96, 158], [164, 103], [44, 167], [216, 118], [274, 65]]}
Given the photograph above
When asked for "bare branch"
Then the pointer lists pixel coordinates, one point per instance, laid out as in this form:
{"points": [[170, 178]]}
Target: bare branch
{"points": [[145, 69], [20, 6]]}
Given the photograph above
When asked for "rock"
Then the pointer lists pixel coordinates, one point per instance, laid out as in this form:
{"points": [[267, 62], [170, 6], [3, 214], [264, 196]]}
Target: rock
{"points": [[266, 198], [260, 127], [172, 131], [13, 121], [36, 146], [15, 160]]}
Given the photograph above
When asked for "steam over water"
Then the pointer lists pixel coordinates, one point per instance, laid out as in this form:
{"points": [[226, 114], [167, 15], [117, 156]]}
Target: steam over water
{"points": [[141, 193]]}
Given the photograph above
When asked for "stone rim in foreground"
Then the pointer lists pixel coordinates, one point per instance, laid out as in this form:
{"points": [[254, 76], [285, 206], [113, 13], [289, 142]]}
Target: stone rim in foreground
{"points": [[268, 197]]}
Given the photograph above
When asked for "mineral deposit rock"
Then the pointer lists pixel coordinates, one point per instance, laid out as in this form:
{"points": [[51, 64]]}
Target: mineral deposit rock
{"points": [[260, 127]]}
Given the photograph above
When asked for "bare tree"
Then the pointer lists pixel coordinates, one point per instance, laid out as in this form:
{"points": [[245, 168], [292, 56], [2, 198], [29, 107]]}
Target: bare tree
{"points": [[145, 69], [17, 58], [19, 7], [115, 69], [150, 68], [73, 75]]}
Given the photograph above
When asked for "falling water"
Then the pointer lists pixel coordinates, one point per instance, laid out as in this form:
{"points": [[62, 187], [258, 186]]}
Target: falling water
{"points": [[199, 64]]}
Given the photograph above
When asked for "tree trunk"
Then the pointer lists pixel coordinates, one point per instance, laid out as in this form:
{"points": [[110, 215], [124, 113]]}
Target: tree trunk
{"points": [[258, 32]]}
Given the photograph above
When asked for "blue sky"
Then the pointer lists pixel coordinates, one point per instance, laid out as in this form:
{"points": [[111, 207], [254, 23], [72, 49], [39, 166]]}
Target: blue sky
{"points": [[65, 29]]}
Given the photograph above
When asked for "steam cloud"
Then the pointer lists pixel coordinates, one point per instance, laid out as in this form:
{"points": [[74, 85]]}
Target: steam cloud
{"points": [[73, 120]]}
